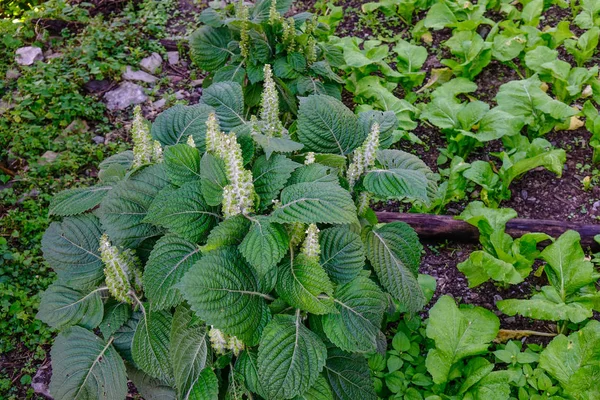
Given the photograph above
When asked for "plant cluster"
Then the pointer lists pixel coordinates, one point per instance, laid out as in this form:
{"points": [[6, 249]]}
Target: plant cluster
{"points": [[236, 40], [223, 256]]}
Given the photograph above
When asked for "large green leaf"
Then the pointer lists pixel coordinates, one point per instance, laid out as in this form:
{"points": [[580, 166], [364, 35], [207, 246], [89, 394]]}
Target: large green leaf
{"points": [[360, 305], [265, 244], [349, 375], [62, 306], [188, 351], [319, 391], [227, 98], [123, 210], [182, 164], [342, 253], [179, 122], [230, 232], [77, 201], [575, 361], [319, 202], [326, 125], [301, 282], [400, 175], [206, 386], [247, 366], [71, 247], [224, 291], [184, 212], [86, 367], [290, 357], [169, 260], [394, 251], [214, 179], [150, 388], [270, 176], [124, 337], [150, 346], [458, 333], [208, 47], [482, 266], [260, 11]]}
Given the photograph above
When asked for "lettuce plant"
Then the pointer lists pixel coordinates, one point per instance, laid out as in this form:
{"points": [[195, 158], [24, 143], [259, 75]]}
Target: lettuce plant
{"points": [[503, 259], [592, 123], [237, 40], [223, 258]]}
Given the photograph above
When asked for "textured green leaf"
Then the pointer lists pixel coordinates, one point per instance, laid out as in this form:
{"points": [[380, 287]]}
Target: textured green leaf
{"points": [[184, 212], [179, 122], [314, 173], [233, 73], [124, 337], [214, 179], [547, 306], [319, 202], [273, 144], [482, 266], [575, 361], [265, 244], [326, 125], [494, 386], [115, 315], [458, 333], [319, 391], [208, 47], [170, 259], [301, 281], [91, 369], [260, 11], [290, 357], [124, 159], [62, 306], [77, 201], [150, 388], [182, 164], [227, 98], [150, 346], [394, 251], [270, 176], [400, 175], [360, 305], [342, 253], [188, 351], [206, 386], [247, 365], [70, 248], [349, 375], [229, 232], [224, 291], [123, 210]]}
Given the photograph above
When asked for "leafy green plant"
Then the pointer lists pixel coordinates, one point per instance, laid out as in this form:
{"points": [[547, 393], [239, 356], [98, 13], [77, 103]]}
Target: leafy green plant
{"points": [[584, 47], [462, 15], [237, 40], [503, 259], [229, 267], [592, 123], [571, 295], [472, 51]]}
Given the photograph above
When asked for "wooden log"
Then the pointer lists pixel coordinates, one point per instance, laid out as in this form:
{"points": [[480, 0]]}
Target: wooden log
{"points": [[439, 227]]}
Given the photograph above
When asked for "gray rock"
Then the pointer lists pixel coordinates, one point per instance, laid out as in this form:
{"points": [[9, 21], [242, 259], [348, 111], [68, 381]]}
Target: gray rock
{"points": [[12, 74], [175, 79], [141, 76], [596, 205], [125, 95], [48, 157], [5, 106], [152, 63], [173, 57], [41, 381], [98, 139], [28, 55], [180, 95], [197, 82], [157, 105]]}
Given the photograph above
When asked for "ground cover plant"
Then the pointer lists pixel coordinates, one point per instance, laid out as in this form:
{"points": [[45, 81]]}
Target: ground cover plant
{"points": [[234, 251]]}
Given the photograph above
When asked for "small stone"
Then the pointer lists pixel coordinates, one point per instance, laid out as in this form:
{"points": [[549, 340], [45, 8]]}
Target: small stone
{"points": [[157, 105], [197, 82], [532, 199], [152, 63], [124, 96], [175, 79], [596, 205], [12, 74], [141, 76], [173, 57], [54, 55], [28, 55], [41, 380], [95, 86], [48, 157], [77, 126], [524, 194], [98, 139], [180, 95], [497, 298], [5, 106]]}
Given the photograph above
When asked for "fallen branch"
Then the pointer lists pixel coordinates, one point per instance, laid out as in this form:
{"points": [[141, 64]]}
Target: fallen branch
{"points": [[439, 227]]}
